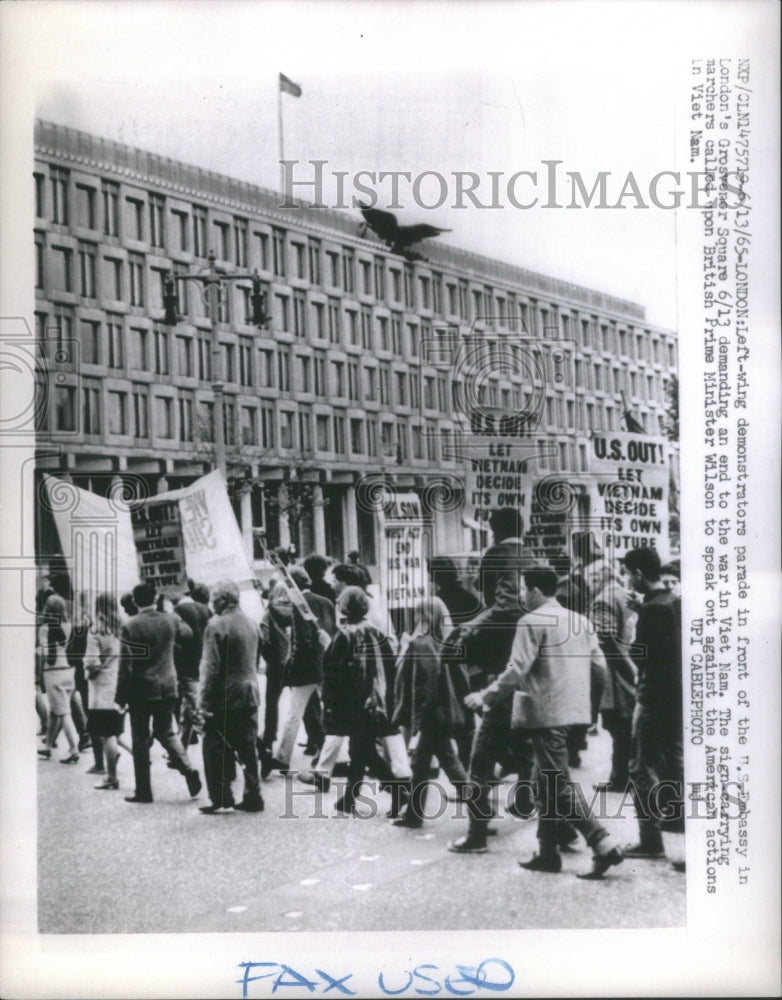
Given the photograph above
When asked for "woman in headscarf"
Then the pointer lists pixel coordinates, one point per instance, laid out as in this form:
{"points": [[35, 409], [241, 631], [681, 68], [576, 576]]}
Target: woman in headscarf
{"points": [[355, 670], [427, 705]]}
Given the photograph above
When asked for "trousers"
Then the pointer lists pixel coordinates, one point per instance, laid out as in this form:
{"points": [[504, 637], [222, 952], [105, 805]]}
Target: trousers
{"points": [[161, 715], [234, 731]]}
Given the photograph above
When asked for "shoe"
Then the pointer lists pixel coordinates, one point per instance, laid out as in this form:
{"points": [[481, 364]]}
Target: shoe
{"points": [[543, 863], [568, 845], [340, 769], [602, 862], [251, 806], [467, 845], [574, 760], [409, 822], [193, 779], [519, 812], [310, 749], [344, 807], [85, 743], [267, 765], [679, 866], [96, 770], [138, 798], [45, 754], [321, 781], [215, 810], [72, 758], [108, 785], [644, 851]]}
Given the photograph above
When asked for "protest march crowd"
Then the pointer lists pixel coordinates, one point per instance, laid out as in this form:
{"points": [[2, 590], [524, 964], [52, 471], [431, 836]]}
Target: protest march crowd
{"points": [[506, 674]]}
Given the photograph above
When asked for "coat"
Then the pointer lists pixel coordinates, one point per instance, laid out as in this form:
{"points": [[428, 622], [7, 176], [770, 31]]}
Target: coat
{"points": [[187, 655], [552, 659], [146, 665], [229, 664], [305, 663], [610, 616], [357, 667], [424, 692], [658, 655]]}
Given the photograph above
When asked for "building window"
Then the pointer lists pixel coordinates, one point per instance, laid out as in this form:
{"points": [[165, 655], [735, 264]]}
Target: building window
{"points": [[415, 390], [339, 435], [90, 342], [229, 420], [382, 327], [266, 369], [204, 359], [110, 193], [334, 323], [245, 361], [429, 392], [348, 268], [332, 266], [338, 378], [380, 278], [85, 207], [180, 229], [134, 219], [62, 269], [370, 384], [396, 284], [352, 317], [87, 270], [354, 384], [39, 269], [164, 418], [228, 362], [248, 425], [322, 436], [140, 413], [442, 392], [200, 247], [366, 328], [90, 409], [396, 334], [268, 436], [59, 196], [240, 242], [402, 450], [184, 354], [64, 408], [284, 370], [431, 442], [305, 429], [424, 285], [401, 389], [371, 437], [287, 429], [40, 197], [114, 341], [139, 351], [300, 313], [283, 311], [314, 257], [206, 422], [319, 372], [136, 272], [305, 373], [222, 233], [418, 441], [412, 336], [357, 436], [278, 249], [262, 248], [161, 351], [384, 383], [366, 277], [185, 418], [387, 439], [437, 293], [118, 412]]}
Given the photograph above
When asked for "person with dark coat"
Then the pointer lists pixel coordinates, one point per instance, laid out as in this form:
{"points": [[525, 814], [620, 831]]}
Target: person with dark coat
{"points": [[462, 605], [275, 645], [656, 754], [228, 698], [315, 567], [148, 686], [355, 668], [426, 705], [187, 659]]}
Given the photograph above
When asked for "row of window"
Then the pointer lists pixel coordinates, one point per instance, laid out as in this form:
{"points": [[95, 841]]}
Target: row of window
{"points": [[287, 255], [137, 413]]}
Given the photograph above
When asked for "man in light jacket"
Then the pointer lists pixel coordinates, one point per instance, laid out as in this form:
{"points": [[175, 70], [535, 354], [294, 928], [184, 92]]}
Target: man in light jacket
{"points": [[550, 663], [228, 698]]}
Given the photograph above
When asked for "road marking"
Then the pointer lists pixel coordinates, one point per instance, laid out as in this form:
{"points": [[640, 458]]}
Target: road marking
{"points": [[294, 914], [362, 886], [309, 881], [416, 861], [369, 857], [236, 909]]}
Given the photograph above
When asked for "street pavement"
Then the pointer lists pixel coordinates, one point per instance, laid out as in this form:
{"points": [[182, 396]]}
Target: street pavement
{"points": [[109, 867]]}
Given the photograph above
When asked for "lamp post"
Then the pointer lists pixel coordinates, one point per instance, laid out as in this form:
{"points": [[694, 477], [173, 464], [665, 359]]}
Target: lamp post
{"points": [[213, 282]]}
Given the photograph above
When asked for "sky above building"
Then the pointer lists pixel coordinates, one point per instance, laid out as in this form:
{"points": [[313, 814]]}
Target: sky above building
{"points": [[432, 89]]}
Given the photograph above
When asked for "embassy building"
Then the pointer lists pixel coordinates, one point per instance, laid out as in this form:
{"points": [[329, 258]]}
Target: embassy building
{"points": [[357, 376]]}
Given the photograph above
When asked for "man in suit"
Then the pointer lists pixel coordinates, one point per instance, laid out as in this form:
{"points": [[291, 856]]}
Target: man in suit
{"points": [[228, 698], [553, 653], [187, 659], [148, 686]]}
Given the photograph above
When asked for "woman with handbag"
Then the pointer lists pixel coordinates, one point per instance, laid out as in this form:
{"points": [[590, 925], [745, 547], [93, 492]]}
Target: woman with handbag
{"points": [[354, 691], [427, 704]]}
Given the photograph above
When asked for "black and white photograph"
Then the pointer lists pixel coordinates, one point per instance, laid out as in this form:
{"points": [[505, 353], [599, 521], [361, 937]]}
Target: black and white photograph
{"points": [[390, 468]]}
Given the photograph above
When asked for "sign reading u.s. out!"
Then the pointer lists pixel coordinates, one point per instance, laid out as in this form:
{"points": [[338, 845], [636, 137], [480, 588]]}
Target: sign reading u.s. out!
{"points": [[629, 491]]}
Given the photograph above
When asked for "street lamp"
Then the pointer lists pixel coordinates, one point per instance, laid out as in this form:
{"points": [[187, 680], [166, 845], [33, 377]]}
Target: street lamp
{"points": [[213, 281]]}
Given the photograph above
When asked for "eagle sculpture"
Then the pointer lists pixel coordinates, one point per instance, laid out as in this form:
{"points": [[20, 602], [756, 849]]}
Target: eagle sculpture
{"points": [[398, 238]]}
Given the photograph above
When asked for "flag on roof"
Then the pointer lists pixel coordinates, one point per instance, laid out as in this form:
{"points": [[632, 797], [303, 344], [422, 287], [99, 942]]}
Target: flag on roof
{"points": [[289, 87]]}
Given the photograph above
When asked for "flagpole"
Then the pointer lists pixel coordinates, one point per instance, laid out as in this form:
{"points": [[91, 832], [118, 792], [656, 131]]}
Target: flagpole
{"points": [[280, 137]]}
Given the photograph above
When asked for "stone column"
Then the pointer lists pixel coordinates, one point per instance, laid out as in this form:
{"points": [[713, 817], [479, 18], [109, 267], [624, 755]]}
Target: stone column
{"points": [[319, 520]]}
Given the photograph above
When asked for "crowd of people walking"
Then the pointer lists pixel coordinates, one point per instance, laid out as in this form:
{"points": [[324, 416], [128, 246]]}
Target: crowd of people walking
{"points": [[505, 674]]}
